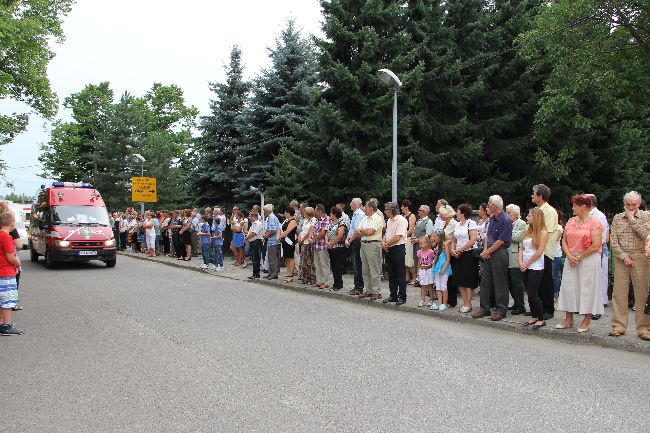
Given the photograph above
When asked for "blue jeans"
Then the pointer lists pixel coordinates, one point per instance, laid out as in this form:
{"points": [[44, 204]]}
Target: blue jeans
{"points": [[217, 255], [558, 263], [205, 252]]}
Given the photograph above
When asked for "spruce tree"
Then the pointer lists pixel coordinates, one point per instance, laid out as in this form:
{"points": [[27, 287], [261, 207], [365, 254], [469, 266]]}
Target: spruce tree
{"points": [[281, 97], [222, 134]]}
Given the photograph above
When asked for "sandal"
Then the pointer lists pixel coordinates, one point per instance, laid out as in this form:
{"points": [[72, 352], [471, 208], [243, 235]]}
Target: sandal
{"points": [[563, 326], [616, 333], [288, 280], [421, 304], [17, 308], [375, 296], [323, 286], [354, 292], [528, 323]]}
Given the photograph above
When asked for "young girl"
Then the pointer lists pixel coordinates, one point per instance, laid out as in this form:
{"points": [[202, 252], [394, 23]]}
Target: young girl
{"points": [[531, 263], [426, 257], [441, 270]]}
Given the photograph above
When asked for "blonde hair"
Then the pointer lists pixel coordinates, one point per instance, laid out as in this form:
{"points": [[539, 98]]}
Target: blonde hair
{"points": [[309, 211], [426, 239], [446, 211], [535, 228]]}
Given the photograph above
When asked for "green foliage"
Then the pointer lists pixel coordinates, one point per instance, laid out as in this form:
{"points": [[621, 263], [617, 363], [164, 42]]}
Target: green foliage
{"points": [[99, 144], [19, 198], [215, 173], [26, 28], [593, 122]]}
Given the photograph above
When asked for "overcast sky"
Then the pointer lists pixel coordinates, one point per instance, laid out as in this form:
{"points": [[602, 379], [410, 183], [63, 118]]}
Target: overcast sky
{"points": [[133, 44]]}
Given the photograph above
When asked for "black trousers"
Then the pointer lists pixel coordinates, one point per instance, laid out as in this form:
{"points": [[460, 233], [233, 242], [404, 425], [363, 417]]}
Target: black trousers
{"points": [[533, 282], [396, 271], [337, 265], [124, 240], [547, 290], [179, 247], [165, 243], [355, 246], [255, 247]]}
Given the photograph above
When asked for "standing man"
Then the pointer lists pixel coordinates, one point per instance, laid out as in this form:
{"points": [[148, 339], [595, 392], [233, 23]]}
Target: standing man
{"points": [[630, 229], [354, 243], [541, 194], [494, 280], [272, 244], [394, 244], [299, 215], [321, 256], [254, 240], [194, 231], [604, 272], [370, 231]]}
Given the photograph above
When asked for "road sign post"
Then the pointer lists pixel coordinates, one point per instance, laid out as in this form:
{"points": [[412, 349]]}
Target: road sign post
{"points": [[144, 190]]}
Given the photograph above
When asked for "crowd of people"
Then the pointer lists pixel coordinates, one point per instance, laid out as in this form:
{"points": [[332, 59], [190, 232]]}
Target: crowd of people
{"points": [[497, 252]]}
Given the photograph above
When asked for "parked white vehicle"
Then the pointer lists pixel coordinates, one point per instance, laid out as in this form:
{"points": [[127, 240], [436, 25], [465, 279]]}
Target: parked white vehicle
{"points": [[24, 236]]}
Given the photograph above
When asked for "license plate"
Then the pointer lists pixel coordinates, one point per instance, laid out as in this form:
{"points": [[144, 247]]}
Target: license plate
{"points": [[87, 253]]}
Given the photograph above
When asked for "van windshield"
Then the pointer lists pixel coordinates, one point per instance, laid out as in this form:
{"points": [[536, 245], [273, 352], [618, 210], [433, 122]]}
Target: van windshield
{"points": [[79, 215]]}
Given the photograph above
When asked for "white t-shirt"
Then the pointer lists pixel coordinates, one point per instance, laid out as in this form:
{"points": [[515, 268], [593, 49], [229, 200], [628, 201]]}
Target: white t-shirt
{"points": [[461, 233], [558, 246], [529, 251]]}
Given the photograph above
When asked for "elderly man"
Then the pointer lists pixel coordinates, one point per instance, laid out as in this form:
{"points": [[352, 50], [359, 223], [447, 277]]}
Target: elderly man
{"points": [[540, 196], [254, 240], [394, 244], [515, 275], [494, 280], [272, 225], [604, 258], [370, 231], [630, 229], [423, 227], [354, 243], [321, 256]]}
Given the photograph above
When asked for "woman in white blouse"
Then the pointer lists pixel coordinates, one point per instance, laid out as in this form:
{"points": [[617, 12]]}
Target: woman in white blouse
{"points": [[307, 272], [465, 264], [531, 263]]}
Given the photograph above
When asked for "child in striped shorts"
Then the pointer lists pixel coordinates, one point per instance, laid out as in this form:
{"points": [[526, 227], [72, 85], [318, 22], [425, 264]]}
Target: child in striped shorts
{"points": [[8, 265]]}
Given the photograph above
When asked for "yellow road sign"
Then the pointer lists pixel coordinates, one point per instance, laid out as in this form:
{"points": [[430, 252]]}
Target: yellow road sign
{"points": [[144, 189]]}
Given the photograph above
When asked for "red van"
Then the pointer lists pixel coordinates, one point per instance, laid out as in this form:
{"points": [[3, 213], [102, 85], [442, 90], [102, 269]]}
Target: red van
{"points": [[70, 223]]}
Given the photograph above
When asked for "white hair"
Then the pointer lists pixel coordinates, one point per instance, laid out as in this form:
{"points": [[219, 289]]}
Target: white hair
{"points": [[632, 195], [496, 200], [426, 208], [514, 209], [446, 211], [357, 201], [268, 207]]}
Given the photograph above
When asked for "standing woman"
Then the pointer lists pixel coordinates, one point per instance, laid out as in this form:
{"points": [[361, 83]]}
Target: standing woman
{"points": [[150, 234], [288, 242], [464, 262], [133, 233], [337, 231], [582, 243], [409, 261], [237, 243], [164, 232], [186, 235], [176, 226], [558, 259], [307, 273], [531, 263], [124, 234]]}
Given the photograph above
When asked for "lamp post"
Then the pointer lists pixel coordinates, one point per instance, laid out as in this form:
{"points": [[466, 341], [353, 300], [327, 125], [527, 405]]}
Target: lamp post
{"points": [[390, 79], [142, 161]]}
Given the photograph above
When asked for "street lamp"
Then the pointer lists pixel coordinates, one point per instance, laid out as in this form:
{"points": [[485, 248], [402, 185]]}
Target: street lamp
{"points": [[142, 161], [390, 79]]}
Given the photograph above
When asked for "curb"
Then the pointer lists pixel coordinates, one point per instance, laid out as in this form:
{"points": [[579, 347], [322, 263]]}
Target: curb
{"points": [[587, 339]]}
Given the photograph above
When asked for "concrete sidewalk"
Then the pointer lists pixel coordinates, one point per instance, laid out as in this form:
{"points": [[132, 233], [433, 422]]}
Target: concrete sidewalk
{"points": [[596, 336]]}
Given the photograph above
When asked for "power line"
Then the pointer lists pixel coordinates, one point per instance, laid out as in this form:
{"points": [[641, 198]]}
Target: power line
{"points": [[524, 44]]}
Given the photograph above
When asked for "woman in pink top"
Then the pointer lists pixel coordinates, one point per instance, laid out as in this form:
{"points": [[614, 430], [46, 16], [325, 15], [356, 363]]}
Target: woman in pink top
{"points": [[582, 245]]}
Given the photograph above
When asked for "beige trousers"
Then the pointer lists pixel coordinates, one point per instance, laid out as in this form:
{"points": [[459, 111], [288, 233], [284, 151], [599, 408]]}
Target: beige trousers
{"points": [[622, 275], [322, 265], [371, 266]]}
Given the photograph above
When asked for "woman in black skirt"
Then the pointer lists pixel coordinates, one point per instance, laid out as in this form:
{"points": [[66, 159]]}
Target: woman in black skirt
{"points": [[288, 242], [464, 262]]}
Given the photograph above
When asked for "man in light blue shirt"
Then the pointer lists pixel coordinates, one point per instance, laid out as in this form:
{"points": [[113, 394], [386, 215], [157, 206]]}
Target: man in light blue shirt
{"points": [[355, 244], [272, 245]]}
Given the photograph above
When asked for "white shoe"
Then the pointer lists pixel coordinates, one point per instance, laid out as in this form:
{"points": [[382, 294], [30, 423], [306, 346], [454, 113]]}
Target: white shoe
{"points": [[220, 269], [204, 266], [212, 267]]}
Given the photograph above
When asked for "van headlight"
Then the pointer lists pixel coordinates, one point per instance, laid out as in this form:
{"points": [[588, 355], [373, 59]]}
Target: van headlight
{"points": [[109, 243], [63, 244]]}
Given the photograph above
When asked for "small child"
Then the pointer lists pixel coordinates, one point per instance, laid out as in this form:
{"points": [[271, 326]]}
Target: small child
{"points": [[8, 265], [217, 244], [205, 239], [441, 271], [426, 257]]}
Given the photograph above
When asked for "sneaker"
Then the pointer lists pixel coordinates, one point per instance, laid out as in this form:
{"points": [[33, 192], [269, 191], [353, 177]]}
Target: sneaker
{"points": [[442, 307], [220, 269], [204, 266], [434, 307], [9, 329], [212, 267]]}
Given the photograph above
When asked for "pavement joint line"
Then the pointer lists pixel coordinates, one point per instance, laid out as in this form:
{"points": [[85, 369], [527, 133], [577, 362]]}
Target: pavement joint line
{"points": [[569, 336]]}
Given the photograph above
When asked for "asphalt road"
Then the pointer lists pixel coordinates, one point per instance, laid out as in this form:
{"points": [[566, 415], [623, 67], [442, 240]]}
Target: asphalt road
{"points": [[145, 347]]}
